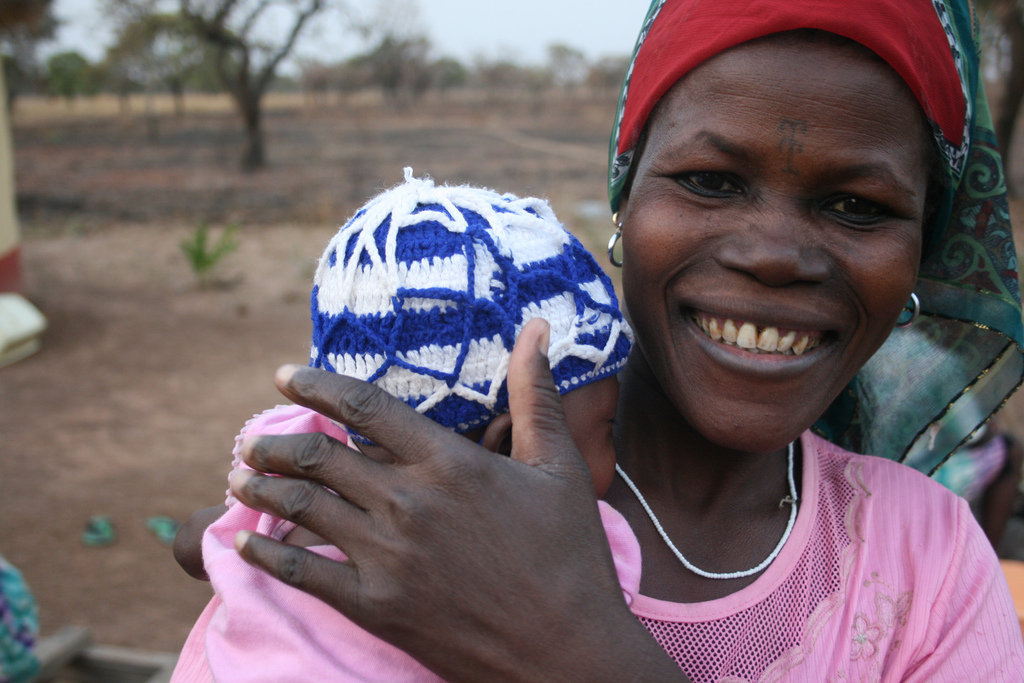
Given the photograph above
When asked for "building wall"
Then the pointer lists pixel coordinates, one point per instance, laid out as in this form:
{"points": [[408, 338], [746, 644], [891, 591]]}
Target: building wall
{"points": [[10, 240]]}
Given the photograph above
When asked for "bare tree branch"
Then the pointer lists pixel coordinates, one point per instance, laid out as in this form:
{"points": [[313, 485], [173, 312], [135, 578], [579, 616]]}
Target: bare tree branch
{"points": [[220, 17], [267, 72], [246, 64], [252, 18]]}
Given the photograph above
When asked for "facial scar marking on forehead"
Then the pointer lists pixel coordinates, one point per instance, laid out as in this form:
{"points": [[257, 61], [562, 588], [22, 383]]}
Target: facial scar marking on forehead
{"points": [[790, 144]]}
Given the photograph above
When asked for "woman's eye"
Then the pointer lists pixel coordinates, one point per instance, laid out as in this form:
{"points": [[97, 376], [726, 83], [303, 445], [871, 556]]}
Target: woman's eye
{"points": [[710, 184], [857, 210]]}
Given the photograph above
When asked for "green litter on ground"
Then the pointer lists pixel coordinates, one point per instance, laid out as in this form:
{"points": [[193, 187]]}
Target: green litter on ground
{"points": [[164, 528], [99, 531]]}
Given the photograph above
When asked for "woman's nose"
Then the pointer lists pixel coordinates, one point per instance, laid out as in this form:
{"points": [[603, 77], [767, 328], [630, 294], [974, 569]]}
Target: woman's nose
{"points": [[777, 252]]}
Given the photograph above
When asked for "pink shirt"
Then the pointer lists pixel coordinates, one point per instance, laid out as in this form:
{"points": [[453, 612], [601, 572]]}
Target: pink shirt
{"points": [[886, 577]]}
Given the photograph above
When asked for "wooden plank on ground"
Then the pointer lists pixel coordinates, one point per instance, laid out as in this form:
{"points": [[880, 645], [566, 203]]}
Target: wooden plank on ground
{"points": [[113, 664], [57, 651]]}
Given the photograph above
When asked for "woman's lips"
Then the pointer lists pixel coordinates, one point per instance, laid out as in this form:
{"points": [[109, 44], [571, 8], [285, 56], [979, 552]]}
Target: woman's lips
{"points": [[763, 340]]}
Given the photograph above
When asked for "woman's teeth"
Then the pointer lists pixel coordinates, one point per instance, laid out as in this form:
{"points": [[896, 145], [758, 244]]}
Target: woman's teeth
{"points": [[764, 340]]}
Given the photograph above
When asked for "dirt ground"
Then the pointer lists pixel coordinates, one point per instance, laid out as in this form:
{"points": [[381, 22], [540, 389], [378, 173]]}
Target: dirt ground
{"points": [[144, 379]]}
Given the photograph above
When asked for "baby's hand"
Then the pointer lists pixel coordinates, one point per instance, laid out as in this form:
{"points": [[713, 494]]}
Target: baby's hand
{"points": [[188, 544]]}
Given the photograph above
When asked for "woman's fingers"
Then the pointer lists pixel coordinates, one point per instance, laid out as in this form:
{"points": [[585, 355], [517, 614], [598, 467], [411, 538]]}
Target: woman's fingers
{"points": [[540, 436], [317, 457], [371, 411], [307, 504], [333, 582]]}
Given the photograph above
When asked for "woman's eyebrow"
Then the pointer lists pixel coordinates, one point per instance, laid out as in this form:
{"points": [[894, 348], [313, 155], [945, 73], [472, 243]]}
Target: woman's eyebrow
{"points": [[722, 145], [881, 173], [704, 141]]}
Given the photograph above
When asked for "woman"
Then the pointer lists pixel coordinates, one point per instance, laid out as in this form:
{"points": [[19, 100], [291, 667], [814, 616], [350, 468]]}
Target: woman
{"points": [[786, 175]]}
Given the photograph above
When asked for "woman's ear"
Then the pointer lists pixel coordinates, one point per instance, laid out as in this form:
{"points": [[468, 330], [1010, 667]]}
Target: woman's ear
{"points": [[498, 435]]}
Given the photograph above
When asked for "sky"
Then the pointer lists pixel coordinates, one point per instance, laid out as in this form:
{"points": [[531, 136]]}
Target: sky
{"points": [[519, 30]]}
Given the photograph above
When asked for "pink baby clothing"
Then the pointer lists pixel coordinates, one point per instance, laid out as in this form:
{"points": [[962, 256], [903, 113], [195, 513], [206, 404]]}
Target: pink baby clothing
{"points": [[886, 577], [258, 629]]}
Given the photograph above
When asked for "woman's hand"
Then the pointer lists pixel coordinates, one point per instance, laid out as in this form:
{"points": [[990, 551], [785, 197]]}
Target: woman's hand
{"points": [[482, 567]]}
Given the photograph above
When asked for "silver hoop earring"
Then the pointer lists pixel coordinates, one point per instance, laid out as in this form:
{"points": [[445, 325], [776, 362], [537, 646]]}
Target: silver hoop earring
{"points": [[615, 240], [913, 307]]}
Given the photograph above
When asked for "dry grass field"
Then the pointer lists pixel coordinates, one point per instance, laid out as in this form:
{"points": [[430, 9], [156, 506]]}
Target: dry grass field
{"points": [[144, 379]]}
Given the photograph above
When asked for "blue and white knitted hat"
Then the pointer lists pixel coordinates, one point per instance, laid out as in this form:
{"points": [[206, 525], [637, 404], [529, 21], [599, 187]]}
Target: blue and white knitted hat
{"points": [[424, 291]]}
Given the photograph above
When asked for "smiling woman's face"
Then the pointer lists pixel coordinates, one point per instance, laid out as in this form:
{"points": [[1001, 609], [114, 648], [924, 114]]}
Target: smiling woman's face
{"points": [[779, 203]]}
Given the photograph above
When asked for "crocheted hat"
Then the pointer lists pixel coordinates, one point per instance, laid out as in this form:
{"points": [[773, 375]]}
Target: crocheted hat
{"points": [[424, 291]]}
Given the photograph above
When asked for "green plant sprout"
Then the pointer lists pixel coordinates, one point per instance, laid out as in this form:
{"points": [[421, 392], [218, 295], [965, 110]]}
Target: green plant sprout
{"points": [[202, 256]]}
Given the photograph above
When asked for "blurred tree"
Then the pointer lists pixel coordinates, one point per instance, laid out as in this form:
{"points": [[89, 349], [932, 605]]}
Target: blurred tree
{"points": [[69, 75], [249, 39], [398, 19], [154, 50], [568, 66], [449, 73], [399, 66], [23, 25], [503, 78], [315, 78], [398, 62], [607, 73], [497, 75], [20, 12], [352, 75], [1009, 16]]}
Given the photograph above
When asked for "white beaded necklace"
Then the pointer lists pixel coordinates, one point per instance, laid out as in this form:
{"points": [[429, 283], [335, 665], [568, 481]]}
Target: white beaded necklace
{"points": [[791, 499]]}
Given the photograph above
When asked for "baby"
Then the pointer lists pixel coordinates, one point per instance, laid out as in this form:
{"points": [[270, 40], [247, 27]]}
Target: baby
{"points": [[422, 293]]}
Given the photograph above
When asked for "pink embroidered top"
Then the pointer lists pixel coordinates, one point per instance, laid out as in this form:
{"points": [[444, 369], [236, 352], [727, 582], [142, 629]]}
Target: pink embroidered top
{"points": [[886, 577]]}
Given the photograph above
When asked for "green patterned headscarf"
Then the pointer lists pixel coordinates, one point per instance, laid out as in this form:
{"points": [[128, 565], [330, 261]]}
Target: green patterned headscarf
{"points": [[932, 384]]}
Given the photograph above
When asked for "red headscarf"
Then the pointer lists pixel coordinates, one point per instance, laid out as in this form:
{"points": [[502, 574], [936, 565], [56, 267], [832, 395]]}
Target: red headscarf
{"points": [[914, 37]]}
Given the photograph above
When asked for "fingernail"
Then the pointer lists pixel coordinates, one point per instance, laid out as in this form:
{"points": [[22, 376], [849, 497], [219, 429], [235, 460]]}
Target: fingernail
{"points": [[238, 479], [285, 373], [545, 340], [241, 538], [249, 445]]}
